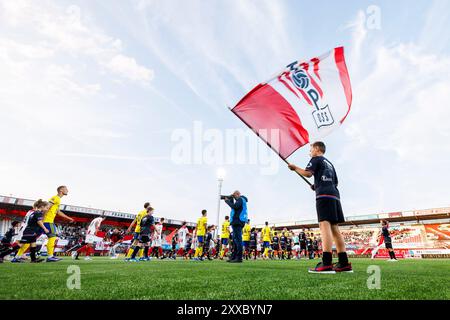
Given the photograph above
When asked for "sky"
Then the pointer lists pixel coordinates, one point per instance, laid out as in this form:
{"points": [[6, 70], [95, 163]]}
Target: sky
{"points": [[93, 95]]}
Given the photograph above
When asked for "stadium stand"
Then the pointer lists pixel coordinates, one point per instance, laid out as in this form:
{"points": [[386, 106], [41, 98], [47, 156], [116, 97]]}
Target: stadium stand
{"points": [[12, 208]]}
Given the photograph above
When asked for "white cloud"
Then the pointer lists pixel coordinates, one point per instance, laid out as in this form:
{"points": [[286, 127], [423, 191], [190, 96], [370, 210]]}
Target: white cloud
{"points": [[216, 45], [129, 68], [47, 30], [397, 131]]}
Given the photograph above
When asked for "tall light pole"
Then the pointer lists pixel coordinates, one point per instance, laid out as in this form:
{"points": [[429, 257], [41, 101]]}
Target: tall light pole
{"points": [[220, 176]]}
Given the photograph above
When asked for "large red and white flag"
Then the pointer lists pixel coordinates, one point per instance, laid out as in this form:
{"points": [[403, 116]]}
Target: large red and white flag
{"points": [[303, 103]]}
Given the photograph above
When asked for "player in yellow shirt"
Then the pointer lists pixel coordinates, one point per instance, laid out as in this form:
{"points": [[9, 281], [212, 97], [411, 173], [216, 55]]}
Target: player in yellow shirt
{"points": [[266, 238], [246, 231], [224, 236], [49, 221], [200, 232], [136, 223]]}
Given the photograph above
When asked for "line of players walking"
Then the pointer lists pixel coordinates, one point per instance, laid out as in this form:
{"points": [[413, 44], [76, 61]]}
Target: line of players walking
{"points": [[147, 241], [202, 244], [199, 245]]}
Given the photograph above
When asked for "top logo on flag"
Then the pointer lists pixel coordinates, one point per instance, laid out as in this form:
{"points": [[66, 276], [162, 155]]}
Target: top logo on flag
{"points": [[306, 85], [306, 101]]}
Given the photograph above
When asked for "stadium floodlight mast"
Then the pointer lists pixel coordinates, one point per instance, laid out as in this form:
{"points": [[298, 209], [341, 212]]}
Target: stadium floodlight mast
{"points": [[220, 176]]}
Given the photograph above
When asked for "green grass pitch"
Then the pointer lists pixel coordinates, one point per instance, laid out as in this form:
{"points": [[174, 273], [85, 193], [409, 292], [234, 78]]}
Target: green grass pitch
{"points": [[102, 278]]}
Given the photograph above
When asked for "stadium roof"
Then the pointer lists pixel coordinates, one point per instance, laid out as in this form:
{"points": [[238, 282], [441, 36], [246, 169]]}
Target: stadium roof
{"points": [[409, 215]]}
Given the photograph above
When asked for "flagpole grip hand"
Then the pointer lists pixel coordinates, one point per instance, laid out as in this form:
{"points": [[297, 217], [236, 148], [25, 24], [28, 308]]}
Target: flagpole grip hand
{"points": [[298, 170]]}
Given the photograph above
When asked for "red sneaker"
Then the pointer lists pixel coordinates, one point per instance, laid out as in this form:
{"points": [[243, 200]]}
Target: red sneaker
{"points": [[341, 268], [321, 268]]}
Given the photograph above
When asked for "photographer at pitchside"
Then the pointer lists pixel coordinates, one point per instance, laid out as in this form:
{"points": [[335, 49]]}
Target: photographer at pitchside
{"points": [[238, 218]]}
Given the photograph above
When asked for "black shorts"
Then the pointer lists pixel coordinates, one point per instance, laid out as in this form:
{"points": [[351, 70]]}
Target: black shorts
{"points": [[388, 245], [143, 238], [330, 210], [303, 246], [28, 239]]}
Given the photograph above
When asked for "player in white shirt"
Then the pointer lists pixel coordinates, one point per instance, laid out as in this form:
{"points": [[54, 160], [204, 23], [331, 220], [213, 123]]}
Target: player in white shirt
{"points": [[182, 238], [90, 239], [157, 239]]}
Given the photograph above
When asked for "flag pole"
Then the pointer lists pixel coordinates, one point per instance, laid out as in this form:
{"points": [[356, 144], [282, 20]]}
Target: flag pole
{"points": [[287, 162]]}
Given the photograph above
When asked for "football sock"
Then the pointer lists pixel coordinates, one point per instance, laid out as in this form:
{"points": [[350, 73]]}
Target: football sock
{"points": [[51, 246], [141, 252], [135, 252], [130, 251], [33, 253], [22, 250], [327, 258], [146, 251], [343, 259]]}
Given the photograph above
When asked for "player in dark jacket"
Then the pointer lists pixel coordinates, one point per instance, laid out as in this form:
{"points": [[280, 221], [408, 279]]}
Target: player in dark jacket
{"points": [[207, 245], [147, 227], [387, 239], [7, 238], [33, 227]]}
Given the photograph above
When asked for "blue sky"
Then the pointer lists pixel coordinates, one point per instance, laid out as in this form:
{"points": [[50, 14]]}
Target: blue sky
{"points": [[92, 92]]}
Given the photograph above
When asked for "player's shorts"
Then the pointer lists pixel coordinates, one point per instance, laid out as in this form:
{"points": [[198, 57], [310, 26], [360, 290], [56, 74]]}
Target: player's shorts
{"points": [[224, 241], [28, 239], [200, 239], [330, 210], [136, 235], [156, 243], [275, 246], [296, 247], [283, 247], [90, 239], [302, 246], [144, 238], [246, 244], [388, 244], [266, 244], [253, 245], [51, 227]]}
